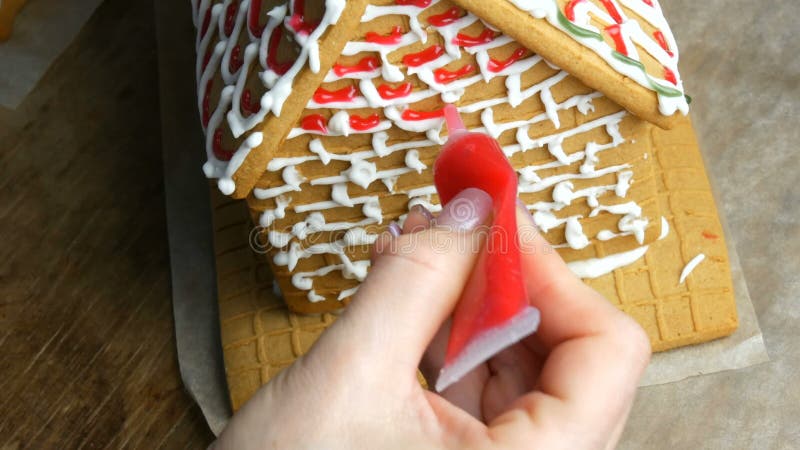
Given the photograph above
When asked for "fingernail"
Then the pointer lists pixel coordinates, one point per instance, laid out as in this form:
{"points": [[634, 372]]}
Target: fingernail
{"points": [[394, 229], [419, 209], [466, 211]]}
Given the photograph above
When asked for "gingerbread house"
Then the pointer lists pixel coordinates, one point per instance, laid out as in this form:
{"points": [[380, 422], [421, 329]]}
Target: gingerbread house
{"points": [[326, 116]]}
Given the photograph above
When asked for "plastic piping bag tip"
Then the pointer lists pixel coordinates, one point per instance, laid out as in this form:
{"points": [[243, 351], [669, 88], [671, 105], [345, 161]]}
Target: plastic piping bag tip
{"points": [[453, 119], [488, 344]]}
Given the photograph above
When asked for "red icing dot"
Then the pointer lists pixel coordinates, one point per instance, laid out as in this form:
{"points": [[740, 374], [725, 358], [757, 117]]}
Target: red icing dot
{"points": [[410, 114], [662, 41], [612, 9], [388, 93], [615, 31], [417, 3], [445, 76], [420, 58], [446, 18], [230, 18], [206, 99], [346, 94], [393, 38], [314, 122], [498, 66], [709, 235], [469, 41], [236, 59], [364, 123], [272, 53], [669, 75], [221, 153], [252, 20], [366, 64], [649, 2]]}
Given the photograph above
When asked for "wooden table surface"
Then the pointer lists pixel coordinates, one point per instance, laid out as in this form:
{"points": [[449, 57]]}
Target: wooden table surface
{"points": [[86, 331]]}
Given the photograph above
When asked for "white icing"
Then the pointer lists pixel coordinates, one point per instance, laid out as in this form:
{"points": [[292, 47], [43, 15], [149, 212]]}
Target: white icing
{"points": [[269, 215], [631, 32], [225, 182], [412, 161], [363, 171], [664, 228], [691, 266], [360, 173], [313, 297], [347, 293], [597, 267]]}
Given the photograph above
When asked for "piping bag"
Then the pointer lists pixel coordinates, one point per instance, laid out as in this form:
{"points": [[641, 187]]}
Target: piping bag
{"points": [[493, 312]]}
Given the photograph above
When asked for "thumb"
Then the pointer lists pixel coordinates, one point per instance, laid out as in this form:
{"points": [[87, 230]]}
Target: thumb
{"points": [[413, 286]]}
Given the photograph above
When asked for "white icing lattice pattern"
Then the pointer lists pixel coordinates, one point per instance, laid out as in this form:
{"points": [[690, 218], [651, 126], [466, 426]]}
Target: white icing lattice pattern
{"points": [[363, 171]]}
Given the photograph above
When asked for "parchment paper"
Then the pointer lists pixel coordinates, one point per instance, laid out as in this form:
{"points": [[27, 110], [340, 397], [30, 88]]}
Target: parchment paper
{"points": [[742, 349], [43, 29]]}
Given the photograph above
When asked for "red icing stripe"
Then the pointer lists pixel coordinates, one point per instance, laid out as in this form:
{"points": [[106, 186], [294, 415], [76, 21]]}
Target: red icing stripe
{"points": [[206, 22], [569, 11], [388, 93], [420, 58], [662, 41], [612, 10], [206, 59], [236, 59], [446, 18], [410, 114], [393, 38], [649, 2], [469, 41], [346, 94], [366, 64], [364, 123], [417, 3], [498, 66], [230, 18], [445, 76], [252, 20], [272, 53], [615, 31], [220, 152], [314, 122], [206, 99], [669, 75], [246, 104], [297, 21]]}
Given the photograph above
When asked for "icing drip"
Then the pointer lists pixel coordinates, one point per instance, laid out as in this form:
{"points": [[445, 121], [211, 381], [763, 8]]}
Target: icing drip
{"points": [[597, 267], [690, 266]]}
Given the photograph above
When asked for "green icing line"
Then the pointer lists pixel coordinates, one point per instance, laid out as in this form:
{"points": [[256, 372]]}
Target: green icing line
{"points": [[628, 60], [576, 30], [658, 87], [589, 34]]}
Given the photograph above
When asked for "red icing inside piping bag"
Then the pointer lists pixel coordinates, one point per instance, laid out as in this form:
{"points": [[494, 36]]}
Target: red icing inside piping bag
{"points": [[493, 311]]}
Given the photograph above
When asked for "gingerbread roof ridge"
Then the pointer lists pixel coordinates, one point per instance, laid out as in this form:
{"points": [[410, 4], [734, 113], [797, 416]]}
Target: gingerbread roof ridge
{"points": [[578, 38], [289, 87]]}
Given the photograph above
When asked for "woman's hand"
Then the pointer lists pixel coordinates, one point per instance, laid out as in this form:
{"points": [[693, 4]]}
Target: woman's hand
{"points": [[570, 385]]}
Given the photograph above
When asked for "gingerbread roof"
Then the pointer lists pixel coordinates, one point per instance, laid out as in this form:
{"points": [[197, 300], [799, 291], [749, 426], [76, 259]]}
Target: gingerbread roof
{"points": [[260, 63]]}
